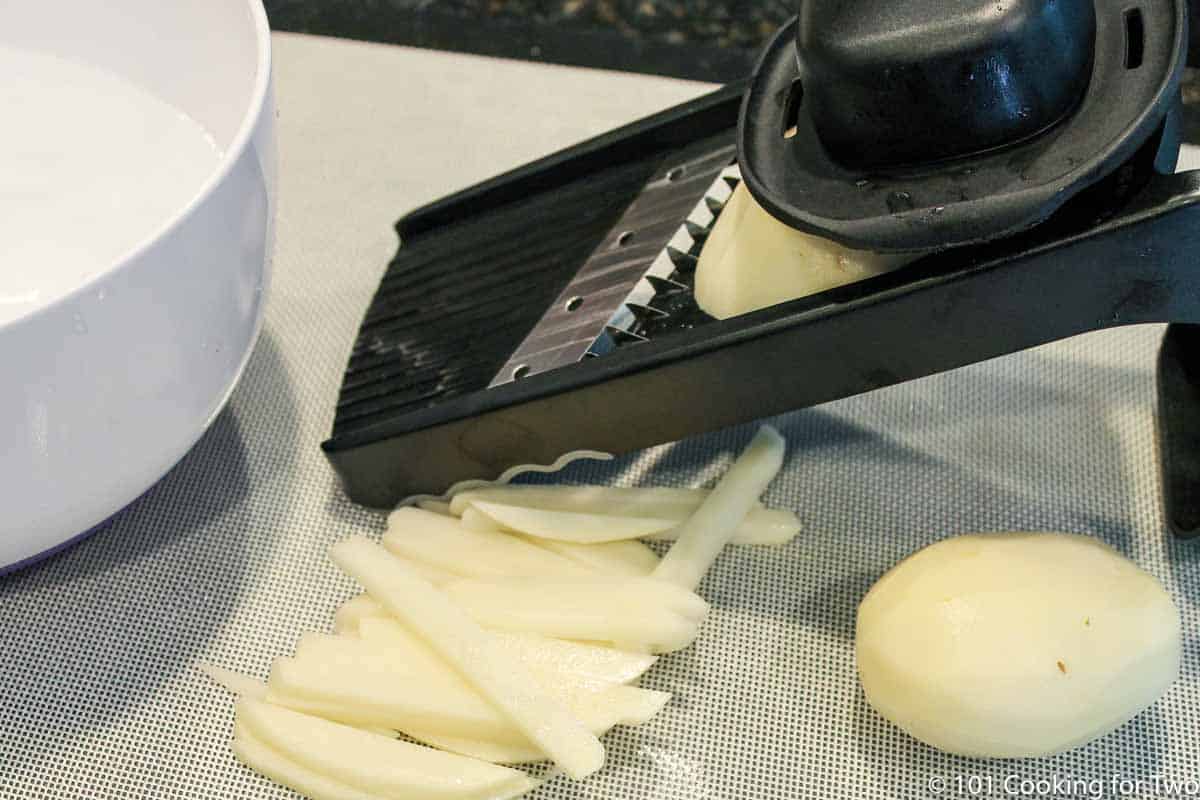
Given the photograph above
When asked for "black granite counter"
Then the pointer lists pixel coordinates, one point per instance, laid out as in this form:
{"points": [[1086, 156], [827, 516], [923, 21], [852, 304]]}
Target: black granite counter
{"points": [[714, 40]]}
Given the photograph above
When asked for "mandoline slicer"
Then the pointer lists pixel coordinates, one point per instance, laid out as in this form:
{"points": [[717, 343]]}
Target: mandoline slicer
{"points": [[1028, 147]]}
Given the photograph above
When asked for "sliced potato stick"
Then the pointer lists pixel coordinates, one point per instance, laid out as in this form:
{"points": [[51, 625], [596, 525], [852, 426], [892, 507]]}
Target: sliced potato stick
{"points": [[349, 615], [369, 717], [618, 705], [367, 720], [502, 679], [586, 595], [348, 681], [761, 526], [664, 502], [377, 691], [634, 705], [591, 665], [331, 668], [483, 749], [571, 526], [431, 573], [261, 758], [486, 750], [707, 531], [476, 520], [663, 632], [336, 701], [373, 763], [436, 507], [629, 557], [234, 682], [592, 661], [401, 655], [450, 547], [624, 557], [642, 619], [245, 686]]}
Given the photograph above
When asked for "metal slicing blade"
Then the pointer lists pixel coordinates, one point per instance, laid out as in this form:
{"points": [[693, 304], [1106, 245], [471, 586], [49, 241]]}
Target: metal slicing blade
{"points": [[658, 237], [664, 294]]}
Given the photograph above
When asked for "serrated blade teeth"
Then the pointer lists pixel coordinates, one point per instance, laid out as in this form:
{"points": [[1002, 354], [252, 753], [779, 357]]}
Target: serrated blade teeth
{"points": [[684, 262], [662, 301], [665, 287], [644, 313], [699, 235]]}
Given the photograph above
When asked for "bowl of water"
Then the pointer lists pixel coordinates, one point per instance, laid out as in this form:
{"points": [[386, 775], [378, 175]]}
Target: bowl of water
{"points": [[137, 199]]}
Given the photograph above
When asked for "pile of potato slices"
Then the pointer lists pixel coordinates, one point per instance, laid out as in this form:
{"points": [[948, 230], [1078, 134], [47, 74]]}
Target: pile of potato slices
{"points": [[507, 626]]}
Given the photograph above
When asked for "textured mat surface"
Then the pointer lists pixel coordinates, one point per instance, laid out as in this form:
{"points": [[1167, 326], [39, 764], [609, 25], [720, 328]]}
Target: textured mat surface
{"points": [[224, 560]]}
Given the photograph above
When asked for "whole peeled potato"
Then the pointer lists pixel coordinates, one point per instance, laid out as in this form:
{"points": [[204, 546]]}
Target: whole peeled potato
{"points": [[1012, 645]]}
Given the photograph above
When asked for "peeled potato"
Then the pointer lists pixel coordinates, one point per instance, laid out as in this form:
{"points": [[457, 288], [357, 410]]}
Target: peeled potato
{"points": [[1015, 645], [752, 260]]}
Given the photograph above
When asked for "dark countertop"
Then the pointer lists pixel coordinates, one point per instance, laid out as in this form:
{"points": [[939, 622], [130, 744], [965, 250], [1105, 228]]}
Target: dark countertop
{"points": [[713, 40]]}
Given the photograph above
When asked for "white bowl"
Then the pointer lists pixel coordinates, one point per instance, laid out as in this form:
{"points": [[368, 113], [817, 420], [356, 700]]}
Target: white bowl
{"points": [[136, 227]]}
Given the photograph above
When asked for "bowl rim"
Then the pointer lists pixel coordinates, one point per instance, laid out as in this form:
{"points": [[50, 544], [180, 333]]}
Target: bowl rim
{"points": [[232, 156]]}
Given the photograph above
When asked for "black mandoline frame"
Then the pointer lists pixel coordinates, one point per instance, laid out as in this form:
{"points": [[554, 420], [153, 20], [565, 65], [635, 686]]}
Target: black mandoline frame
{"points": [[415, 414]]}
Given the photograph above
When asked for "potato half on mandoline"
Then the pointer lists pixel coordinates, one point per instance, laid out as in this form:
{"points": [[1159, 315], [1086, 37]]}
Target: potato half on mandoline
{"points": [[752, 261], [1011, 645]]}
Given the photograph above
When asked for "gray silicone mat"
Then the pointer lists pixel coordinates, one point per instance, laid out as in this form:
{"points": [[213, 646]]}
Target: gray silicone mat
{"points": [[224, 562]]}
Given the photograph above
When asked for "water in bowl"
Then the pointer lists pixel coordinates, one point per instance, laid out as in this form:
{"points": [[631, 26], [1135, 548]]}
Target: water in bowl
{"points": [[91, 166]]}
